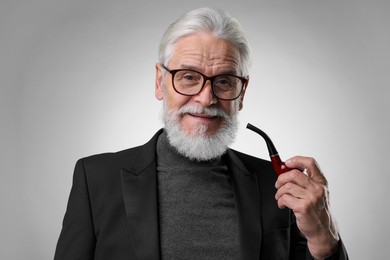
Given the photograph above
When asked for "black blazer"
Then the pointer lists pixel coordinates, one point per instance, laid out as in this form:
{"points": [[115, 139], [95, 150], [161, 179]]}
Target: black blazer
{"points": [[112, 211]]}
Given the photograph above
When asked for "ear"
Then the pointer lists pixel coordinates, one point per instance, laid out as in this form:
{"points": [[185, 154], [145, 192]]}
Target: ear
{"points": [[159, 83], [241, 105]]}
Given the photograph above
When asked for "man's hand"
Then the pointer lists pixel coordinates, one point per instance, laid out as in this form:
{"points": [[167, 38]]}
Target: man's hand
{"points": [[306, 194]]}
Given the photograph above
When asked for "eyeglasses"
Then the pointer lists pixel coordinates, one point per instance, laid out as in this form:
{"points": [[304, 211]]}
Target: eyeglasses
{"points": [[190, 83]]}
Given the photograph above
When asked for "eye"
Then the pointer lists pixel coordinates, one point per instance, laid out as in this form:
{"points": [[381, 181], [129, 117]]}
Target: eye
{"points": [[188, 76], [224, 82]]}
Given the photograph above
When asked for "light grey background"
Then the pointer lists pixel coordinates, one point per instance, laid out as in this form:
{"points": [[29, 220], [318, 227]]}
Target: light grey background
{"points": [[77, 78]]}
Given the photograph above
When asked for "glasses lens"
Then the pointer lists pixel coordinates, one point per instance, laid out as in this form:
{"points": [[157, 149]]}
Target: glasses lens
{"points": [[227, 86], [188, 82]]}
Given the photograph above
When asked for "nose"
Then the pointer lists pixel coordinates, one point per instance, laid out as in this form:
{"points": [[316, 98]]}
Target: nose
{"points": [[206, 96]]}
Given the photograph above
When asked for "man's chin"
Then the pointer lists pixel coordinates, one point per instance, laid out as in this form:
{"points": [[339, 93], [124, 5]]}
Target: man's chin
{"points": [[201, 144], [206, 129], [201, 130]]}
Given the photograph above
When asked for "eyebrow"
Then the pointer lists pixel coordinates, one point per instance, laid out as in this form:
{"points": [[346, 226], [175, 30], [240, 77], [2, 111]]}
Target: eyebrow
{"points": [[190, 67]]}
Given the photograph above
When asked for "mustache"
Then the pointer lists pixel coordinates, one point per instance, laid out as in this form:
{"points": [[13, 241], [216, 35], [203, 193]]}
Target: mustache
{"points": [[198, 109]]}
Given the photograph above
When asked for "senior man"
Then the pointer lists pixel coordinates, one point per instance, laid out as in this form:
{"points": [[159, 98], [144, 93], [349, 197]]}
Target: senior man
{"points": [[185, 194]]}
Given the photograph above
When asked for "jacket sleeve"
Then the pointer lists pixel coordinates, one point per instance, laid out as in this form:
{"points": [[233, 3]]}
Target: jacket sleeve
{"points": [[77, 238], [299, 249], [340, 254]]}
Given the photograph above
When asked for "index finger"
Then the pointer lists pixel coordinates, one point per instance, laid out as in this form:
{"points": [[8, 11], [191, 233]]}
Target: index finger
{"points": [[310, 165], [294, 176]]}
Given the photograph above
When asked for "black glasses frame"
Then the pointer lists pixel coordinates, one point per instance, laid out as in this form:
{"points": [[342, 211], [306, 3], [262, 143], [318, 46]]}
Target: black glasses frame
{"points": [[206, 78]]}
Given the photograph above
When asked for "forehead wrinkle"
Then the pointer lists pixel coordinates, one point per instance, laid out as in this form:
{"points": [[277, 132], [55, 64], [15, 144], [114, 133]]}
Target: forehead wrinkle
{"points": [[205, 62], [220, 55], [206, 54]]}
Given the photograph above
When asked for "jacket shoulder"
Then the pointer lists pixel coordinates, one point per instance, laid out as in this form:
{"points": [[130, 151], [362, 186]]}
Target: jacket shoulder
{"points": [[109, 164], [111, 157], [249, 158], [141, 154], [253, 163]]}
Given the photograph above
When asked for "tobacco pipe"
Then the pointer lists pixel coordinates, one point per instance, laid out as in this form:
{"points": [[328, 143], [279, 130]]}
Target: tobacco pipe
{"points": [[279, 166]]}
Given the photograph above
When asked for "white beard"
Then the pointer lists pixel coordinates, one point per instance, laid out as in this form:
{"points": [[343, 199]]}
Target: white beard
{"points": [[198, 145]]}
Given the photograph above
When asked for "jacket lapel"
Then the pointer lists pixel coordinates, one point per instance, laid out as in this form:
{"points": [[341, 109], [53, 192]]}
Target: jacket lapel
{"points": [[139, 184], [248, 208]]}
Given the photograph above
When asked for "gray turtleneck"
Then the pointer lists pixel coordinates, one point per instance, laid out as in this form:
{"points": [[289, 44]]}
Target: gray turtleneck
{"points": [[196, 206]]}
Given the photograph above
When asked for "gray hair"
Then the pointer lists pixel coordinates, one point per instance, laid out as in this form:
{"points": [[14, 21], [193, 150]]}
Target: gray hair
{"points": [[216, 21]]}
